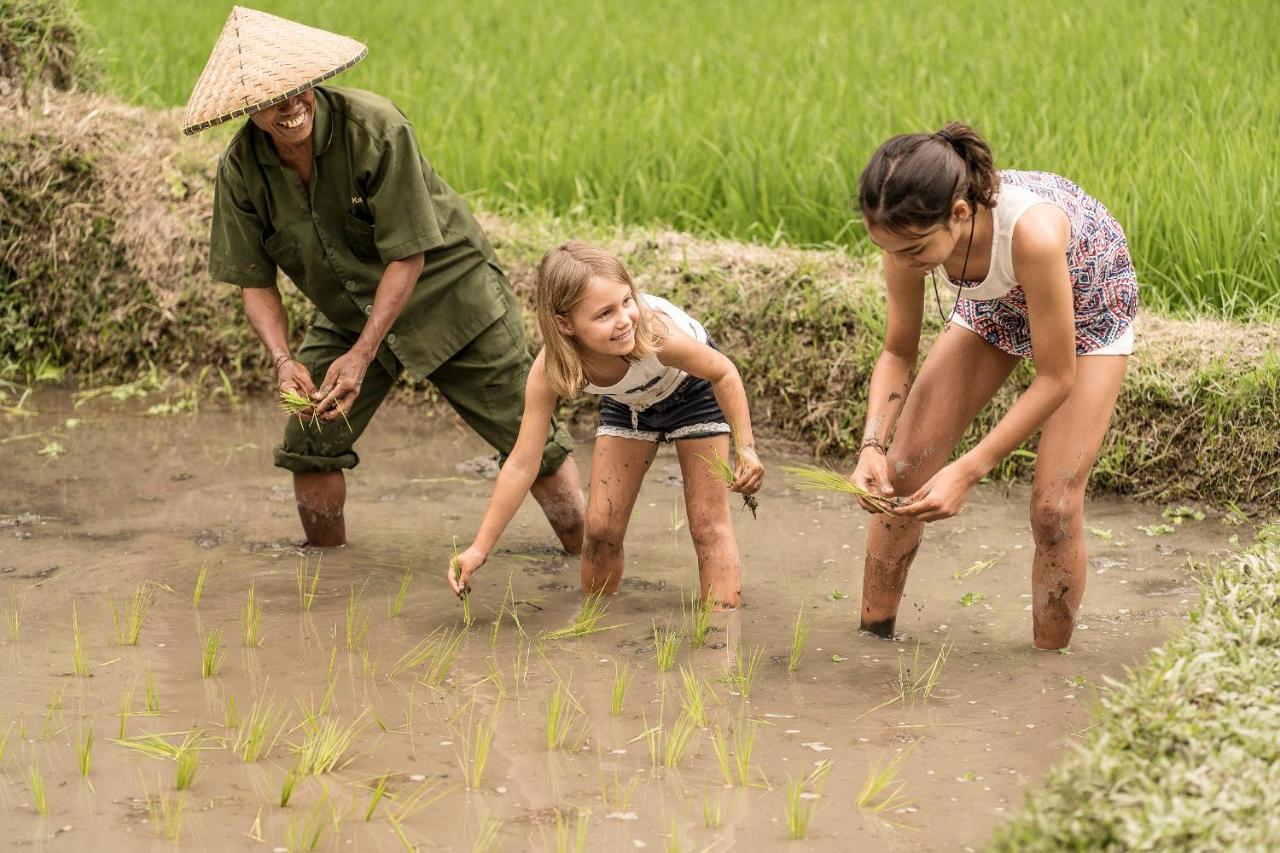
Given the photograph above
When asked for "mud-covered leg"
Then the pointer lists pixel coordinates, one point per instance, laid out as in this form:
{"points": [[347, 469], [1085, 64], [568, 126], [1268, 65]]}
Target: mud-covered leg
{"points": [[618, 467], [560, 496], [1069, 445], [321, 499], [958, 378], [706, 503]]}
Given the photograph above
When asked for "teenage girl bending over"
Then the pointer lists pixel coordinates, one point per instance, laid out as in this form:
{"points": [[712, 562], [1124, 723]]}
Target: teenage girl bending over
{"points": [[661, 379], [1043, 272]]}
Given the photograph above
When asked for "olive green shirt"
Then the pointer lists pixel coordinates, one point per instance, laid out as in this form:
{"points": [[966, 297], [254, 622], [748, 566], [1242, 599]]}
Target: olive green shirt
{"points": [[373, 199]]}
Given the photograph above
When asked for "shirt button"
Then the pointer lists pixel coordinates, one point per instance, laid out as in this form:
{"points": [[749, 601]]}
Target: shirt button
{"points": [[351, 286], [391, 338], [368, 309]]}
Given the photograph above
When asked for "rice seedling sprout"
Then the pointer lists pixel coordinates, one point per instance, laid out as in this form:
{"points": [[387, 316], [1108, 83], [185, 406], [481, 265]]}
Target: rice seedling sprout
{"points": [[698, 618], [799, 810], [815, 478], [585, 621], [476, 737], [199, 588], [260, 732], [882, 790], [379, 791], [621, 680], [397, 603], [286, 787], [799, 635], [35, 784], [188, 762], [152, 697], [666, 645], [212, 654], [251, 620], [325, 744], [84, 751], [306, 583], [13, 616], [465, 595], [127, 620], [743, 674], [675, 747], [563, 712], [694, 698], [80, 664]]}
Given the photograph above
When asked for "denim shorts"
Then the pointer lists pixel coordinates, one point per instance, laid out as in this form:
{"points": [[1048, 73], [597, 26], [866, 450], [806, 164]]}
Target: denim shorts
{"points": [[690, 411]]}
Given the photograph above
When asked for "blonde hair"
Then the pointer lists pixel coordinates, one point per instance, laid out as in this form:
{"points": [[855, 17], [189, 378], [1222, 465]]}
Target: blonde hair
{"points": [[563, 276]]}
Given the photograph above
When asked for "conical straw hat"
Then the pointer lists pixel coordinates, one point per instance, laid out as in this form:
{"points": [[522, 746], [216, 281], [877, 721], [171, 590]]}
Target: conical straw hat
{"points": [[260, 60]]}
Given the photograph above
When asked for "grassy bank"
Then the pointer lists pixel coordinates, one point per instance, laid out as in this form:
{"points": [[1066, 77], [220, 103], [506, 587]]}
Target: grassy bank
{"points": [[103, 248], [1185, 754], [752, 120]]}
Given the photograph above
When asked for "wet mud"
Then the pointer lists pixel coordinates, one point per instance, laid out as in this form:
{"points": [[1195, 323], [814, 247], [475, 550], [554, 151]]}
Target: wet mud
{"points": [[974, 713]]}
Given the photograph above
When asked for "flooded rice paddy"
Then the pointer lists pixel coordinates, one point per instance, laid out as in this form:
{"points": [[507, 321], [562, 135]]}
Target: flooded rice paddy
{"points": [[374, 724]]}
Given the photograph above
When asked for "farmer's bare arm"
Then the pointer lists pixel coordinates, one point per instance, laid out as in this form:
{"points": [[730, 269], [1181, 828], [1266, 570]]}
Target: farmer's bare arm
{"points": [[680, 351], [521, 467], [891, 377], [265, 310], [342, 381], [1040, 266]]}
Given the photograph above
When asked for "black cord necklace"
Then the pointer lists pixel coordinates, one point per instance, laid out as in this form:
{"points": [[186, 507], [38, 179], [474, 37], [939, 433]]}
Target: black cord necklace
{"points": [[964, 268]]}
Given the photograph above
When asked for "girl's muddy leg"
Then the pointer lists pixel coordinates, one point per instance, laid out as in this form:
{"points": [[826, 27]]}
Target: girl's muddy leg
{"points": [[706, 503], [958, 378], [1069, 444], [321, 498], [891, 546], [618, 466], [1059, 570], [560, 496]]}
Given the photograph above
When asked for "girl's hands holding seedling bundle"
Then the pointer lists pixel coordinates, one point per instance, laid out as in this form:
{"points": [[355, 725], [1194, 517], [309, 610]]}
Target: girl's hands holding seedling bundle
{"points": [[749, 473], [461, 567], [872, 475], [341, 385], [942, 496]]}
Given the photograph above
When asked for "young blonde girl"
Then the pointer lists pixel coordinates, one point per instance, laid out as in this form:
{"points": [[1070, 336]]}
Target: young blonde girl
{"points": [[661, 379]]}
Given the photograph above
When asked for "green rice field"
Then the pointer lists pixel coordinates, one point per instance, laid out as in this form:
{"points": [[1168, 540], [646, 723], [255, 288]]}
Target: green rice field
{"points": [[753, 119]]}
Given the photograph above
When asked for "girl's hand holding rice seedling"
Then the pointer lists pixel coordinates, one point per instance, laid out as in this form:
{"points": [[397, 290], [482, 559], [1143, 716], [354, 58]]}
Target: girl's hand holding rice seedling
{"points": [[461, 565], [872, 475]]}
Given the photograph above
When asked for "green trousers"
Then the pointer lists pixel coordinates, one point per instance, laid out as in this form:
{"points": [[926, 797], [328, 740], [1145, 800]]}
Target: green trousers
{"points": [[484, 382]]}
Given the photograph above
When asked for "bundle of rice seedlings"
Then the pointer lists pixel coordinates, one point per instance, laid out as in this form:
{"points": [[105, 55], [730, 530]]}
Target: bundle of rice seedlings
{"points": [[815, 478], [465, 595], [723, 471], [295, 405]]}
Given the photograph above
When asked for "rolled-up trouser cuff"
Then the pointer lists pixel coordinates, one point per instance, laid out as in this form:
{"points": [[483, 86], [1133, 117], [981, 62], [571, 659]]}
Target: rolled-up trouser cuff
{"points": [[557, 449], [301, 463]]}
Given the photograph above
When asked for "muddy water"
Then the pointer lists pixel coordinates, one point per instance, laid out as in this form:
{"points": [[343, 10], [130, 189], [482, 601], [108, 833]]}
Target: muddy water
{"points": [[137, 498]]}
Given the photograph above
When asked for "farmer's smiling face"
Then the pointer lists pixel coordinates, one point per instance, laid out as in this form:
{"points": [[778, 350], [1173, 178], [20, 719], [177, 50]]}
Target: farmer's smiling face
{"points": [[605, 320], [288, 122]]}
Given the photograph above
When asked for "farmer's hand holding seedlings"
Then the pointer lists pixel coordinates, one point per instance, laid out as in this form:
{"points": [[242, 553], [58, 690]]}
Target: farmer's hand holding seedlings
{"points": [[292, 378], [341, 385], [461, 567]]}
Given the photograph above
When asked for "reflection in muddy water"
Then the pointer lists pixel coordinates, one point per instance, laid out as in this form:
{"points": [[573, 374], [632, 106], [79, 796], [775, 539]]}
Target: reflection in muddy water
{"points": [[406, 703]]}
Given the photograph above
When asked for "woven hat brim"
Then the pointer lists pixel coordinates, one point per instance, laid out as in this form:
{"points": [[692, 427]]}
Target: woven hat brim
{"points": [[258, 107]]}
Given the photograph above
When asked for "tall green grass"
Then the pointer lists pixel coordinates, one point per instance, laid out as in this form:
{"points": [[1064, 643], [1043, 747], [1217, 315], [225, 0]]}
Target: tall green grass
{"points": [[753, 120]]}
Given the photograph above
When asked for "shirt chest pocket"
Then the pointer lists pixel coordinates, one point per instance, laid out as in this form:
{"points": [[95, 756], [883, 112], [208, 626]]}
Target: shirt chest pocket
{"points": [[283, 249], [360, 238]]}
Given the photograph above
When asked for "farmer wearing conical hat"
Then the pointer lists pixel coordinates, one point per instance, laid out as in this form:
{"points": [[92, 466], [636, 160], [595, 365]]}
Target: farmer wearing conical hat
{"points": [[329, 185]]}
